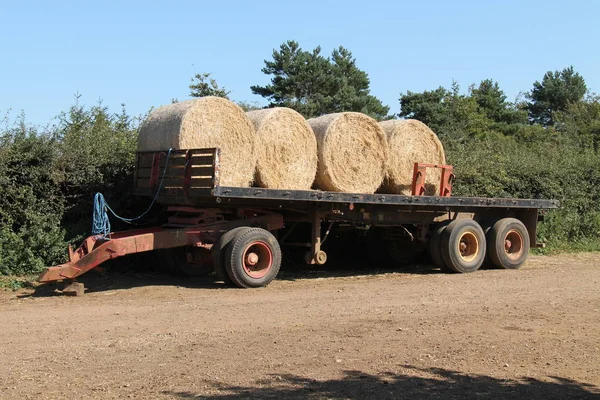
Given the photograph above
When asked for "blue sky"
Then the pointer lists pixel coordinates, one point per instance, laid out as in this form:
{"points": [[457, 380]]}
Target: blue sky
{"points": [[143, 53]]}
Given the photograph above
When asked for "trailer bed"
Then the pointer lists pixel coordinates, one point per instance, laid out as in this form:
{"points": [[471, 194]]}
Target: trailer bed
{"points": [[174, 178]]}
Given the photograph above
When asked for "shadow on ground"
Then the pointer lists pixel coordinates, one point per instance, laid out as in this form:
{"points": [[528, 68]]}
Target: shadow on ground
{"points": [[439, 384], [344, 268], [144, 269]]}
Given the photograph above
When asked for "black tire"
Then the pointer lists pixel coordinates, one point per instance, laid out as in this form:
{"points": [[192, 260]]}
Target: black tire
{"points": [[463, 246], [435, 246], [218, 254], [257, 243], [178, 263], [321, 258], [508, 244], [487, 226]]}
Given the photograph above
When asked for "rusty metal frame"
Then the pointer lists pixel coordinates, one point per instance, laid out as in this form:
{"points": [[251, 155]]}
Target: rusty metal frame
{"points": [[98, 249], [315, 247], [203, 210], [155, 170], [420, 176], [187, 173]]}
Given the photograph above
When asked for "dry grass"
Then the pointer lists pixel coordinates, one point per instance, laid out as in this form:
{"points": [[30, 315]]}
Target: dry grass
{"points": [[411, 141], [286, 149], [202, 123], [352, 151]]}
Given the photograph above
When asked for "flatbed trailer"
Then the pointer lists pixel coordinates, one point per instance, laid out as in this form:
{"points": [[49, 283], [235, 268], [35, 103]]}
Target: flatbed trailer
{"points": [[238, 231]]}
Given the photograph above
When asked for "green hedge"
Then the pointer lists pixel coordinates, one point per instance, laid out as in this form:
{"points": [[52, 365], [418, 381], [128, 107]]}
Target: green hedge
{"points": [[552, 169], [48, 179]]}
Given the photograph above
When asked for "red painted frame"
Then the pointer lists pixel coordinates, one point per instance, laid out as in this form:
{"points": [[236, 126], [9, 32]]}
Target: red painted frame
{"points": [[420, 175], [96, 250]]}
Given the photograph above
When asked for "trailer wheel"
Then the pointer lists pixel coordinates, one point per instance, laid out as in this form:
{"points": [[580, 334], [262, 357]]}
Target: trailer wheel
{"points": [[463, 245], [508, 245], [435, 246], [189, 261], [218, 254], [320, 259], [253, 258]]}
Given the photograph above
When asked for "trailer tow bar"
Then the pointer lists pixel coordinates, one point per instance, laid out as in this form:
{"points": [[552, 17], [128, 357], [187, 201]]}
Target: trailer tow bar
{"points": [[98, 249]]}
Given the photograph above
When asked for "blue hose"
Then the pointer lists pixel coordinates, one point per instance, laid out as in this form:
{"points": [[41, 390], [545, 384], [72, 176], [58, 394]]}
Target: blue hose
{"points": [[100, 220]]}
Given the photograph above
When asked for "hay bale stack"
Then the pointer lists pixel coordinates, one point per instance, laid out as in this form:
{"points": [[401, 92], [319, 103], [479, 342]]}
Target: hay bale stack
{"points": [[286, 149], [352, 151], [203, 123], [411, 141]]}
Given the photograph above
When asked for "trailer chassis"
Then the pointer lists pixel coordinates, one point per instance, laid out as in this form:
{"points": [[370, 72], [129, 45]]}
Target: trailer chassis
{"points": [[203, 214]]}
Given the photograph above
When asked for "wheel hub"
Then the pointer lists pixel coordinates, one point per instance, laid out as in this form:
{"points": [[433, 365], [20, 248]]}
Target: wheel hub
{"points": [[513, 244], [468, 246], [257, 259], [252, 259]]}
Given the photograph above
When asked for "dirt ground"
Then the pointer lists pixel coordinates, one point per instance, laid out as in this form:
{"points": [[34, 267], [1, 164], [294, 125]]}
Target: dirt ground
{"points": [[532, 333]]}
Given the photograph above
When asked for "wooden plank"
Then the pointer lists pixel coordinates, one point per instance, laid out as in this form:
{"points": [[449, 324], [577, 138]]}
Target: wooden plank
{"points": [[167, 182], [198, 158], [173, 171], [207, 152], [173, 152], [177, 170], [171, 192], [177, 182], [208, 171], [180, 162], [202, 160], [145, 160], [201, 164], [143, 173], [201, 183], [171, 182], [173, 161], [142, 183]]}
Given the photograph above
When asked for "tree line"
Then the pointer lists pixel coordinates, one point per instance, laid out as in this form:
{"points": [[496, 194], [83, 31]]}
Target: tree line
{"points": [[542, 145]]}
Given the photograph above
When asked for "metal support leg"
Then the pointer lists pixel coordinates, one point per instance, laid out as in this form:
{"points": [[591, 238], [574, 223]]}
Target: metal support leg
{"points": [[316, 255]]}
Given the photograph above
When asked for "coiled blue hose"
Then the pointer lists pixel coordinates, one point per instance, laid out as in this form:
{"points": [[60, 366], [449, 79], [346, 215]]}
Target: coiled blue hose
{"points": [[100, 220]]}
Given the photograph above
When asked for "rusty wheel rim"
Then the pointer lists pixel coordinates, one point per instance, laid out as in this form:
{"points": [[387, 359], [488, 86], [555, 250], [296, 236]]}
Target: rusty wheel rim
{"points": [[468, 246], [257, 259], [513, 245]]}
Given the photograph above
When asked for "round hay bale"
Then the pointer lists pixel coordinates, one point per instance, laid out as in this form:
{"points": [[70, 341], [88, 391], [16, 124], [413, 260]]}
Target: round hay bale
{"points": [[286, 149], [411, 141], [352, 151], [203, 123]]}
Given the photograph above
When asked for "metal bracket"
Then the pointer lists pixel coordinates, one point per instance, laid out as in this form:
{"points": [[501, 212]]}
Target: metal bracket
{"points": [[420, 176]]}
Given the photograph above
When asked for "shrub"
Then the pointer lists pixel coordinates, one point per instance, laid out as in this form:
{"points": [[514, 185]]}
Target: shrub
{"points": [[48, 179], [499, 166], [31, 205]]}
